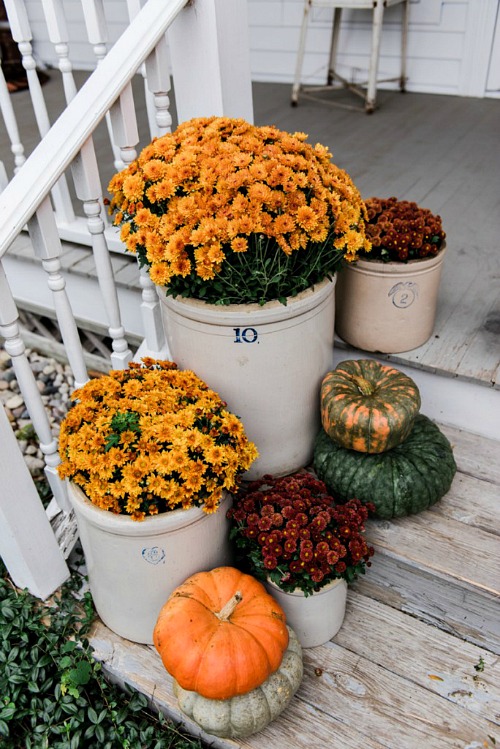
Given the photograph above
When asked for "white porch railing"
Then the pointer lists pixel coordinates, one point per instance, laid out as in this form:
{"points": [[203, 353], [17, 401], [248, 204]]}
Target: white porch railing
{"points": [[209, 54]]}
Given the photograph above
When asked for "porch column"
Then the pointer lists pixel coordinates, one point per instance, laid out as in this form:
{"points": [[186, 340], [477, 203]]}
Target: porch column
{"points": [[210, 58]]}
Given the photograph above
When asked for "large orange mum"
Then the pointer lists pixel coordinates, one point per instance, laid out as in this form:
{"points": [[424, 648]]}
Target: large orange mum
{"points": [[220, 634]]}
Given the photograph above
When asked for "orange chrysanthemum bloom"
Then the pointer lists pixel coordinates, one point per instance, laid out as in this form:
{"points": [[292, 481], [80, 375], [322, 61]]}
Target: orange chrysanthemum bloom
{"points": [[133, 187], [239, 244], [254, 192], [151, 438]]}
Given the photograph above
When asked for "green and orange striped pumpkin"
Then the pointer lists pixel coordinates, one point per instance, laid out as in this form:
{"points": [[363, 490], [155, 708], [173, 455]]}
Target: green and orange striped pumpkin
{"points": [[367, 406]]}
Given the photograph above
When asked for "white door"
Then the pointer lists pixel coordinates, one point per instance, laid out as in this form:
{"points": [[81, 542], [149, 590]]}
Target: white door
{"points": [[481, 36]]}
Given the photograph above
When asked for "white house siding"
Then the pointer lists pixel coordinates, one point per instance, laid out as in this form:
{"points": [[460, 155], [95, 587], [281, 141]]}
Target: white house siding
{"points": [[453, 47], [449, 44]]}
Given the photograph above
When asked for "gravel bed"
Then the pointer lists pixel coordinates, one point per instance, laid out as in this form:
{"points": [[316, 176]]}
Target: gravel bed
{"points": [[55, 383]]}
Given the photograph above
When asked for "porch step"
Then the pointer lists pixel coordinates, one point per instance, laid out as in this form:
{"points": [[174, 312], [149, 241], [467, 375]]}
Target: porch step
{"points": [[415, 663], [387, 681], [443, 565]]}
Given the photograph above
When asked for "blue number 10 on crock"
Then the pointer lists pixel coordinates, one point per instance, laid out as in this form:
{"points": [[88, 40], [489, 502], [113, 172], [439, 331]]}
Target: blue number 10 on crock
{"points": [[245, 335]]}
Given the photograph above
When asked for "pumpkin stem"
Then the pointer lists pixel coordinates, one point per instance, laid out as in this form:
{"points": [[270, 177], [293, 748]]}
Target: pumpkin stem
{"points": [[364, 386], [228, 608]]}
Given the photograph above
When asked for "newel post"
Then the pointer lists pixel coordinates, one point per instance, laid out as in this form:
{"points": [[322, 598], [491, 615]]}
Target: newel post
{"points": [[28, 546], [210, 58]]}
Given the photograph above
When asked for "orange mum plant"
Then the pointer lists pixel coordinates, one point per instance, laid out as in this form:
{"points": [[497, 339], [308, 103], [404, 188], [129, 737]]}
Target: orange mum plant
{"points": [[152, 438], [228, 212]]}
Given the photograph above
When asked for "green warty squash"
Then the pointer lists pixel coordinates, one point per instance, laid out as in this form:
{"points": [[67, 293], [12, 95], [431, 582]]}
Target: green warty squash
{"points": [[405, 480]]}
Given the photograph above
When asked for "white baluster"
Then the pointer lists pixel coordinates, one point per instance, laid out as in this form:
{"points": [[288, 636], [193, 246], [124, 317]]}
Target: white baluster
{"points": [[88, 187], [21, 33], [58, 35], [89, 190], [9, 329], [157, 86], [3, 176], [151, 316], [27, 544], [47, 245], [125, 129], [134, 6], [158, 83], [97, 34], [124, 122], [9, 117]]}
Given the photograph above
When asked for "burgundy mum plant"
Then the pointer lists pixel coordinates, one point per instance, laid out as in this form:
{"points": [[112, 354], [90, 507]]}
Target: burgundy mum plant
{"points": [[400, 230], [290, 531]]}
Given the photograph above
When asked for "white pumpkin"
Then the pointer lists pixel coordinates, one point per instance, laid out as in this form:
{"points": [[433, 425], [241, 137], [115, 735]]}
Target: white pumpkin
{"points": [[251, 712]]}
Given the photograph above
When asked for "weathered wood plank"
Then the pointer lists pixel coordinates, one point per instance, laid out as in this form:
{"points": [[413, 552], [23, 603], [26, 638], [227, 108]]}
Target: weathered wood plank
{"points": [[459, 326], [468, 557], [380, 703], [475, 456], [429, 657], [465, 613], [307, 723], [473, 502], [443, 565], [64, 527]]}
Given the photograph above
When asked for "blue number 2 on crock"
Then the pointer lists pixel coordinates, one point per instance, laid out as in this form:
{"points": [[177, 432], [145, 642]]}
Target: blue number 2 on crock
{"points": [[245, 335]]}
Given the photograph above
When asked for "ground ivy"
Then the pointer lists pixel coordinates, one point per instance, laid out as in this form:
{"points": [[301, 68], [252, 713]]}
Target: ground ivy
{"points": [[53, 694]]}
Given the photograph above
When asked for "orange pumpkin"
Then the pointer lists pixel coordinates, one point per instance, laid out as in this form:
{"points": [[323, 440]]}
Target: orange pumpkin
{"points": [[220, 634]]}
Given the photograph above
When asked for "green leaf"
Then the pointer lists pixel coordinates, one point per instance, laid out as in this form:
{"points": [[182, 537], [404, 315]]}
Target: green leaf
{"points": [[100, 735], [7, 712], [480, 665], [13, 655], [69, 708], [69, 647], [80, 675], [17, 679]]}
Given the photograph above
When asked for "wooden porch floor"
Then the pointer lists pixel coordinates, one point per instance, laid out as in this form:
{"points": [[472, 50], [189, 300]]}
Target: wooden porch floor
{"points": [[416, 663], [444, 153], [441, 151]]}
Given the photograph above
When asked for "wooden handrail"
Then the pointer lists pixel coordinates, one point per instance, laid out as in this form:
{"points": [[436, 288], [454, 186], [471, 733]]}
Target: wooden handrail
{"points": [[32, 183]]}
